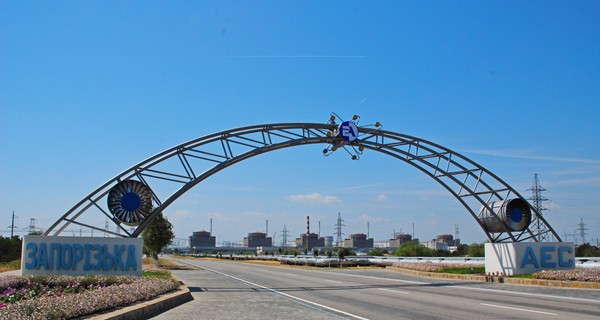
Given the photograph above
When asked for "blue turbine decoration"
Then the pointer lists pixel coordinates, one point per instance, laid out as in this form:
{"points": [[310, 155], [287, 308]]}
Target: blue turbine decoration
{"points": [[130, 202]]}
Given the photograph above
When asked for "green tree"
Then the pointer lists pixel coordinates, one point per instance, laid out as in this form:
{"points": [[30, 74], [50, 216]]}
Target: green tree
{"points": [[375, 252], [344, 252], [476, 250], [461, 250], [157, 235], [329, 254], [414, 249], [587, 250], [10, 248]]}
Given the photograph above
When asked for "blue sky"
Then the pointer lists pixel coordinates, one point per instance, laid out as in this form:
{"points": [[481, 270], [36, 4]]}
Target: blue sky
{"points": [[88, 89]]}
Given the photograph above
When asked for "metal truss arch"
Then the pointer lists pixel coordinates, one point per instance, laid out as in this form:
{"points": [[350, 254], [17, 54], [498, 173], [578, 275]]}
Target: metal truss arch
{"points": [[182, 167]]}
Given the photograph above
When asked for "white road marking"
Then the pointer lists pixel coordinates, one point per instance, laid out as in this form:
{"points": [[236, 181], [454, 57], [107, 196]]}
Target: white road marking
{"points": [[290, 296], [539, 295], [394, 291], [517, 293], [517, 309], [333, 281]]}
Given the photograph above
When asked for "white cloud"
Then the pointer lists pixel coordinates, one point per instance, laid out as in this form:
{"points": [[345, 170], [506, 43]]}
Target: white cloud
{"points": [[381, 197], [515, 154], [216, 215], [183, 214], [254, 214], [313, 198], [367, 218]]}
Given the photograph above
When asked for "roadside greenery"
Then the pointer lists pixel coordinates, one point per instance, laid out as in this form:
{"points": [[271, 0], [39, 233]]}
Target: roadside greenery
{"points": [[464, 270], [415, 249], [65, 297], [12, 265], [587, 250], [590, 275], [157, 235], [10, 248], [454, 268]]}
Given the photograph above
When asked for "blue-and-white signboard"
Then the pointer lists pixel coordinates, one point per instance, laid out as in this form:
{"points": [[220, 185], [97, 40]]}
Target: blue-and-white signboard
{"points": [[348, 131], [78, 256], [515, 258]]}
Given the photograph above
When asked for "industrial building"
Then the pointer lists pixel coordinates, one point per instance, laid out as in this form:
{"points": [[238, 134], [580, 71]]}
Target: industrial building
{"points": [[314, 241], [399, 239], [202, 239], [442, 242], [358, 241], [328, 241], [257, 239]]}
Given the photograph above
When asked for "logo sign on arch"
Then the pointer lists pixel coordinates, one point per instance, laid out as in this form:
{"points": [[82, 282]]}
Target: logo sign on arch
{"points": [[348, 131]]}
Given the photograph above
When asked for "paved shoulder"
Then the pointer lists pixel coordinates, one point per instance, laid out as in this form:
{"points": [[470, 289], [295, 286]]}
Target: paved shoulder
{"points": [[218, 297]]}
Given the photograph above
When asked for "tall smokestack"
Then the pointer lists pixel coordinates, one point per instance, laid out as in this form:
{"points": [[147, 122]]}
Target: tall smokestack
{"points": [[267, 232], [211, 226]]}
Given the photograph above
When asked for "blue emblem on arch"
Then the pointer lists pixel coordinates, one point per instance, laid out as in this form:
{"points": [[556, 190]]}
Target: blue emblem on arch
{"points": [[348, 131]]}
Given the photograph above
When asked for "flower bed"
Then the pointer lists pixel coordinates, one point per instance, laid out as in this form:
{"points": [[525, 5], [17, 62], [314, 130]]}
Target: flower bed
{"points": [[433, 267], [589, 275], [64, 297]]}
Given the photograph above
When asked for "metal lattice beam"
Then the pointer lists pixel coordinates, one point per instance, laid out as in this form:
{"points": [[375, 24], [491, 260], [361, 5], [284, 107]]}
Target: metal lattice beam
{"points": [[177, 170]]}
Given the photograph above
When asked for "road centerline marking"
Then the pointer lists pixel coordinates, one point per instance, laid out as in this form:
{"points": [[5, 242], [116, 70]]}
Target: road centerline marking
{"points": [[394, 291], [518, 309], [333, 281]]}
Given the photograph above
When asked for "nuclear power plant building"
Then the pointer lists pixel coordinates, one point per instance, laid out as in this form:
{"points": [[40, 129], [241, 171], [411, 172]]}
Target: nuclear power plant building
{"points": [[359, 241], [257, 239], [314, 241], [399, 239], [202, 239]]}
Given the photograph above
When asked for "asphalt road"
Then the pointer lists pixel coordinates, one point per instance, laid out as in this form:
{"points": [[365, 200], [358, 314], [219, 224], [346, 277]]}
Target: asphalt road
{"points": [[236, 290]]}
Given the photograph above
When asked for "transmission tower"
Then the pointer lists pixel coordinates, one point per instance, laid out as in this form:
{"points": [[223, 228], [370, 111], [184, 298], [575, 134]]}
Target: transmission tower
{"points": [[284, 236], [456, 235], [338, 230], [33, 226], [537, 200], [581, 229]]}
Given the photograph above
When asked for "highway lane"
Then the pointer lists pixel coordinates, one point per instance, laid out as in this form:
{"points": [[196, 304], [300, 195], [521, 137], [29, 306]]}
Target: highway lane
{"points": [[368, 294]]}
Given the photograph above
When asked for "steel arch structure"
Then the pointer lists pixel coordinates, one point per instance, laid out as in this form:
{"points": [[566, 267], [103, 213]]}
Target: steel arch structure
{"points": [[173, 172]]}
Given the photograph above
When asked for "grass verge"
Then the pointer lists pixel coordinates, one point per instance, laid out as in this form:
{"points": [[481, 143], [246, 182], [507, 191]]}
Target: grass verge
{"points": [[10, 266], [463, 270]]}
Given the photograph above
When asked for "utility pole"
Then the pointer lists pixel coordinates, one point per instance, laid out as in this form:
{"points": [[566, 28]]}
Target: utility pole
{"points": [[12, 225]]}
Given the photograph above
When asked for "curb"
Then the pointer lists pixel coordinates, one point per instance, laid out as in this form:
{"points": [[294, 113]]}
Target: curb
{"points": [[498, 279], [148, 309]]}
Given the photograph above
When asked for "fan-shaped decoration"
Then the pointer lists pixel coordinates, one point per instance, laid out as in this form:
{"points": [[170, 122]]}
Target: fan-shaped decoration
{"points": [[130, 202]]}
